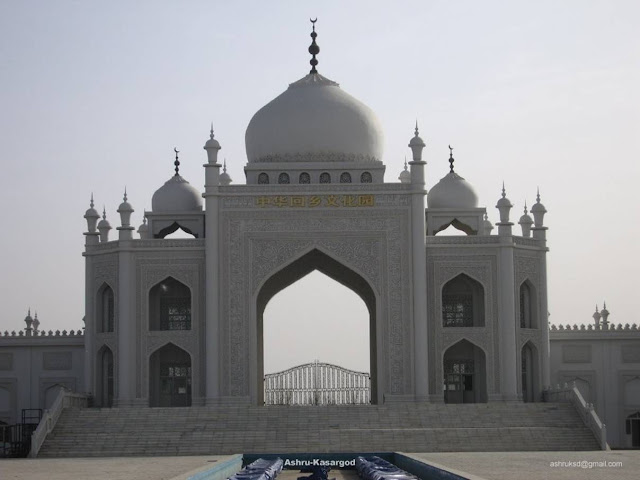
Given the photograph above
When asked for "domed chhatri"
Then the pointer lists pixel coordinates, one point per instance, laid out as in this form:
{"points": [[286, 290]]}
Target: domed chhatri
{"points": [[314, 120], [452, 191], [176, 195]]}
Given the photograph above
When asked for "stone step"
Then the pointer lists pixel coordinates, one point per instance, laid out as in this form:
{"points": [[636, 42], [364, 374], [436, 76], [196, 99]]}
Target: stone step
{"points": [[407, 427]]}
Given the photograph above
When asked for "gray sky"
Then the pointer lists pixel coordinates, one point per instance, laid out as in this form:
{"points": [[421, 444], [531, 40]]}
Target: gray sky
{"points": [[95, 95]]}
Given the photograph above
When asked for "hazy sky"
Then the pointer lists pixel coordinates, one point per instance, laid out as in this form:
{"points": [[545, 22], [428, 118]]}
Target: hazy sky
{"points": [[95, 95]]}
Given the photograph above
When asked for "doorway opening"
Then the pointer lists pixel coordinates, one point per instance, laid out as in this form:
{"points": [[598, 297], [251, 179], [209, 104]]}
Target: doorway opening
{"points": [[464, 374], [307, 317], [170, 377]]}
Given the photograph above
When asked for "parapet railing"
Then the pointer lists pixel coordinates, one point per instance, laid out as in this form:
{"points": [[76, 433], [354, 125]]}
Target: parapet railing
{"points": [[65, 399], [571, 394]]}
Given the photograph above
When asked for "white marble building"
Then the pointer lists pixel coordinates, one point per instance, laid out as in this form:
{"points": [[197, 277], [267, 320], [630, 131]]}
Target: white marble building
{"points": [[179, 322]]}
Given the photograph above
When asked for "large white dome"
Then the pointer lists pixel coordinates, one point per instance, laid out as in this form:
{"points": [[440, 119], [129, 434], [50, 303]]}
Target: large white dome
{"points": [[314, 120], [452, 191], [176, 195]]}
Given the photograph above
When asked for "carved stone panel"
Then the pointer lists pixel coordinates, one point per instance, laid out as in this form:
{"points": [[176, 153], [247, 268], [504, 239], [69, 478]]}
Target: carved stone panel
{"points": [[256, 245], [630, 353], [6, 361], [56, 360], [576, 353]]}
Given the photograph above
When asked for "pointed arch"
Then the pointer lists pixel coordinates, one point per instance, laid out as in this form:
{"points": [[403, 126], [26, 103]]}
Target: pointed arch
{"points": [[464, 373], [170, 377], [463, 302], [530, 372], [173, 228], [458, 225], [528, 305], [170, 305], [105, 309], [315, 259], [104, 377]]}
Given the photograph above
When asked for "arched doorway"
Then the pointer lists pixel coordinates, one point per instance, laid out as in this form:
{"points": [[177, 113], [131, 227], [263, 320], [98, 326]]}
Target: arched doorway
{"points": [[632, 428], [316, 260], [464, 374], [170, 377], [104, 380], [529, 372]]}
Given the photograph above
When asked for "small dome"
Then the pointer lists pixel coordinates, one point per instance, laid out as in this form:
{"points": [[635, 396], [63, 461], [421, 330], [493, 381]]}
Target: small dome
{"points": [[104, 223], [526, 218], [452, 191], [176, 195], [314, 120]]}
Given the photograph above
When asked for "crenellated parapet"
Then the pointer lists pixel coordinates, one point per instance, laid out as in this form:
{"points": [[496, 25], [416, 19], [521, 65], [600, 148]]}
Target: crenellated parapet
{"points": [[42, 333]]}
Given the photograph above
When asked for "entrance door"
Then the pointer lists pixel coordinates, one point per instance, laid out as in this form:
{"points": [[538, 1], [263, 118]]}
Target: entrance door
{"points": [[175, 385], [170, 377], [633, 429], [458, 381]]}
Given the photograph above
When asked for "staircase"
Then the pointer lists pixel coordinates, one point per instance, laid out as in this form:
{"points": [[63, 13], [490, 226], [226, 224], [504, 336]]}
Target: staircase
{"points": [[91, 432]]}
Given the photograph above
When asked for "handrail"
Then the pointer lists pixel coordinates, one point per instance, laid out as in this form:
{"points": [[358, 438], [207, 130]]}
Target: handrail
{"points": [[571, 394], [65, 399]]}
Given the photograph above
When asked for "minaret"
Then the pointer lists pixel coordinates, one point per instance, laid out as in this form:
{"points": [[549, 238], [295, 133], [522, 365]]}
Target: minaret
{"points": [[419, 255], [605, 316], [525, 222], [143, 230], [504, 206], [225, 178], [36, 324], [29, 321], [405, 175], [104, 227], [92, 216], [125, 210], [212, 269], [487, 225], [538, 210], [506, 303], [596, 318]]}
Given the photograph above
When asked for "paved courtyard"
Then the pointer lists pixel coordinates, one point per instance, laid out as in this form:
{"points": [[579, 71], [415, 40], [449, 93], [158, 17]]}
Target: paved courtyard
{"points": [[475, 466]]}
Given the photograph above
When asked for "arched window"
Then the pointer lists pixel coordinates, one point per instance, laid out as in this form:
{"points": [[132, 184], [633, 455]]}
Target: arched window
{"points": [[345, 177], [283, 178], [263, 179], [462, 303], [527, 306], [170, 306], [366, 177], [105, 309], [325, 177], [304, 178]]}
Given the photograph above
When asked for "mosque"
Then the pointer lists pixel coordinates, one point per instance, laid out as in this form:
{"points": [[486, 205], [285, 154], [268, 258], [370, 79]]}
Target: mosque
{"points": [[452, 319]]}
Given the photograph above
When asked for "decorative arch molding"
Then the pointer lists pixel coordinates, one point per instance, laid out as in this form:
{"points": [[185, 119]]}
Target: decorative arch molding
{"points": [[441, 268], [368, 249], [375, 246], [458, 225], [462, 338]]}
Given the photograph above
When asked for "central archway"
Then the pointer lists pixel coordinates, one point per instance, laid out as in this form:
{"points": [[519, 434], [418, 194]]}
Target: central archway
{"points": [[320, 261]]}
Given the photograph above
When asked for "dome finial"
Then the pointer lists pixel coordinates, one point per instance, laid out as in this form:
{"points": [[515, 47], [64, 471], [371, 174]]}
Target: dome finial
{"points": [[451, 158], [504, 193], [405, 164], [525, 207], [314, 49], [538, 195], [177, 162], [416, 131], [224, 166], [91, 202], [211, 132], [124, 197]]}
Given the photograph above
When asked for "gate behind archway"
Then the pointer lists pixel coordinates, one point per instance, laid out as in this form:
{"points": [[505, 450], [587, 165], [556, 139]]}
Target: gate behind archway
{"points": [[317, 384]]}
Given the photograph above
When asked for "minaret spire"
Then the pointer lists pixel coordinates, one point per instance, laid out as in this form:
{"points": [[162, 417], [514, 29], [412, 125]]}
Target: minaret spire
{"points": [[177, 162], [314, 49]]}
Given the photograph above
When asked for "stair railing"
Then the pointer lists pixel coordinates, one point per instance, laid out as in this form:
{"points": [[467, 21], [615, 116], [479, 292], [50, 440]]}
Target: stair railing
{"points": [[65, 399], [571, 394]]}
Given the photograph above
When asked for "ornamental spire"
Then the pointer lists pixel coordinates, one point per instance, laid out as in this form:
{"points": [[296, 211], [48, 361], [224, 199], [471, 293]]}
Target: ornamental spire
{"points": [[177, 162], [451, 158], [314, 49]]}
